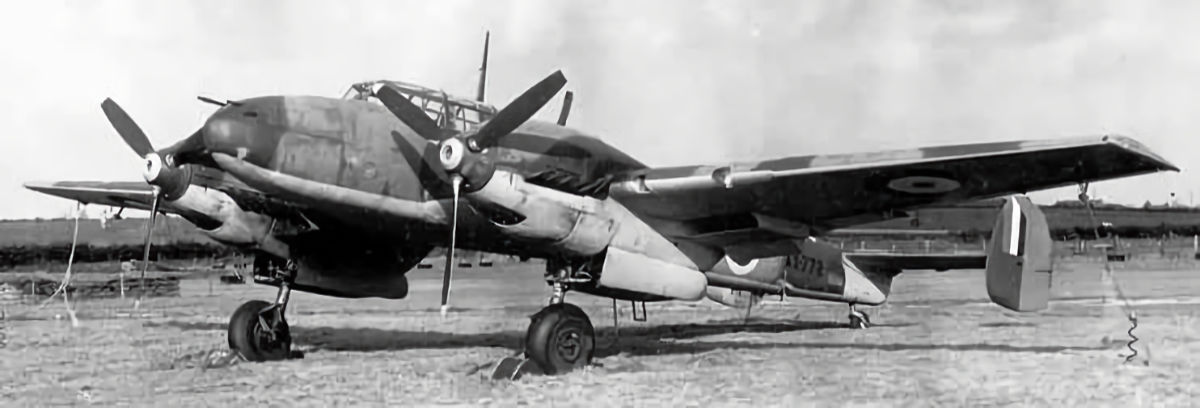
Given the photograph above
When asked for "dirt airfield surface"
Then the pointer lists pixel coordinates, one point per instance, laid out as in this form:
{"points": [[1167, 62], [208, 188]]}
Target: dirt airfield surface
{"points": [[937, 342]]}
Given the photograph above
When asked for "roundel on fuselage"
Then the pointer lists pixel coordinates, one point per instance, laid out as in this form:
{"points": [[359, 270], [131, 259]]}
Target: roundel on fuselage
{"points": [[739, 269]]}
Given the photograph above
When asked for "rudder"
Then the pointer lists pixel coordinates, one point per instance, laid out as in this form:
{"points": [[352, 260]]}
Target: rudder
{"points": [[1019, 258]]}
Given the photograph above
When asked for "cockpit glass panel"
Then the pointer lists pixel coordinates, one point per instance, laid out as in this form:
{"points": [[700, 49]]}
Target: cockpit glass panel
{"points": [[447, 110]]}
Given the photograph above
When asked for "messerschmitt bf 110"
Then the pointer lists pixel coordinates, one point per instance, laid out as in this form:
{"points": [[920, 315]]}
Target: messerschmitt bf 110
{"points": [[343, 196]]}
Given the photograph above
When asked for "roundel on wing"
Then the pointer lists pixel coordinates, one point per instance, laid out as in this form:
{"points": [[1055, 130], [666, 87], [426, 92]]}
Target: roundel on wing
{"points": [[923, 184], [741, 269]]}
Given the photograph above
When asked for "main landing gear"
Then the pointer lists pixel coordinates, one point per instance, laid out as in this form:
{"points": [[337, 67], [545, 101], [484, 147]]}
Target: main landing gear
{"points": [[258, 330], [560, 336], [858, 320]]}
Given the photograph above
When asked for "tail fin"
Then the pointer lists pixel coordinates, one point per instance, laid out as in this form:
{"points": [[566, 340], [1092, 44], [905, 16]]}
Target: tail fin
{"points": [[483, 68], [1019, 257]]}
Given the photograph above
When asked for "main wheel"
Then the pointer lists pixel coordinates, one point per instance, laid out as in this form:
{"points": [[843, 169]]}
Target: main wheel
{"points": [[256, 343], [560, 339]]}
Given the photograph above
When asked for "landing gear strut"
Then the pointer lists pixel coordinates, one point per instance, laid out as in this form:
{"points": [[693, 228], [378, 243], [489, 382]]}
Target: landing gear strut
{"points": [[258, 330], [858, 320]]}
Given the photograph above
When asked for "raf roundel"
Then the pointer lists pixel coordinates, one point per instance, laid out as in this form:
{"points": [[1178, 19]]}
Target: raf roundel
{"points": [[741, 269], [923, 185]]}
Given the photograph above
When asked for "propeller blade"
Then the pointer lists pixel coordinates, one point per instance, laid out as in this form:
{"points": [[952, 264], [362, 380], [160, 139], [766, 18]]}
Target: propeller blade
{"points": [[127, 128], [519, 110], [447, 113], [409, 113], [146, 250], [455, 183], [566, 108]]}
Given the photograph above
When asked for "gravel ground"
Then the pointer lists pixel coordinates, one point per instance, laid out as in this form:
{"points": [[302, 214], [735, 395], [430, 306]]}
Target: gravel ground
{"points": [[937, 342]]}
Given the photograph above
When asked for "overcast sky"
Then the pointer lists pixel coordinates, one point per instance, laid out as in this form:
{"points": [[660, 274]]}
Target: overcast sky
{"points": [[670, 82]]}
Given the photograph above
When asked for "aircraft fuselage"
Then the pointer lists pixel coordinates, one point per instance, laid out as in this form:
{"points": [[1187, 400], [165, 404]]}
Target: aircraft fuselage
{"points": [[362, 146]]}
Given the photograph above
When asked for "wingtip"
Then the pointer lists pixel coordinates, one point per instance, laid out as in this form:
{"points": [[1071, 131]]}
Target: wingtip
{"points": [[1131, 144], [37, 185]]}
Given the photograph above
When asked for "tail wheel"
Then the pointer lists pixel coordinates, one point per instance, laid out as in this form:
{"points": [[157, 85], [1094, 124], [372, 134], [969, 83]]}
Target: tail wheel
{"points": [[259, 336], [859, 322], [560, 339]]}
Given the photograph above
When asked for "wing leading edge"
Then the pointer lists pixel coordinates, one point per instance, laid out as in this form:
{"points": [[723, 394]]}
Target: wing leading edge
{"points": [[128, 194]]}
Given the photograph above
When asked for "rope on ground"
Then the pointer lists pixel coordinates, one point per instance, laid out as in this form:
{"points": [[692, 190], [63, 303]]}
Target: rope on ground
{"points": [[62, 288]]}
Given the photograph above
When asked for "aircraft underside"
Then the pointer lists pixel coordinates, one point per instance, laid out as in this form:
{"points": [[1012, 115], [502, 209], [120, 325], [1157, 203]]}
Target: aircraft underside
{"points": [[560, 337]]}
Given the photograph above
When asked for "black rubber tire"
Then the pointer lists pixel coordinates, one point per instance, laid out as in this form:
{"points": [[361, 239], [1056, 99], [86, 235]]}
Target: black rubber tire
{"points": [[560, 339], [859, 323], [247, 337]]}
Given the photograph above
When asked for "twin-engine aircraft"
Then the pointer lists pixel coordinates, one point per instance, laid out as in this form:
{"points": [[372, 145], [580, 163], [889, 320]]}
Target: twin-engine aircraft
{"points": [[343, 196]]}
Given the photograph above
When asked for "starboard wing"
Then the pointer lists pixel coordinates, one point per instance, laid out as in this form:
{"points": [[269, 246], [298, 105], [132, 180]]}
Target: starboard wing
{"points": [[763, 204]]}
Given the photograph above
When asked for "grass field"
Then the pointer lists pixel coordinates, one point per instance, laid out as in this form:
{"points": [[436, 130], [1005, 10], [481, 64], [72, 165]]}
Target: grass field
{"points": [[938, 342]]}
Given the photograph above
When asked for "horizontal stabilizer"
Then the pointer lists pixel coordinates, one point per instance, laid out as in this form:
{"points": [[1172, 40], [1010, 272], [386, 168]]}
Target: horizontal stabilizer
{"points": [[1018, 262]]}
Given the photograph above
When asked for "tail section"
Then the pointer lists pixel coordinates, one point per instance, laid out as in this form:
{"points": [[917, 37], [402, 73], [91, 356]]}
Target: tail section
{"points": [[1017, 263], [1019, 257]]}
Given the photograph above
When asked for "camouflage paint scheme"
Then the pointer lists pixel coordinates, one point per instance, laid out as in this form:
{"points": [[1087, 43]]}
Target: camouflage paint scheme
{"points": [[765, 213]]}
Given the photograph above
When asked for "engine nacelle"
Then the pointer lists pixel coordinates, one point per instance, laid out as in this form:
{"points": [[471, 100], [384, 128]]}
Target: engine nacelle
{"points": [[635, 257], [233, 225], [573, 225]]}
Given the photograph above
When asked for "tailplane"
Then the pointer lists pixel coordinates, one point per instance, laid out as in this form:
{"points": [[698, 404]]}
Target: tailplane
{"points": [[1019, 257]]}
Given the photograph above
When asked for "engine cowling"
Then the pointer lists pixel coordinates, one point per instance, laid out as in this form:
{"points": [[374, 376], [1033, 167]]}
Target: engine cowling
{"points": [[628, 254], [226, 222]]}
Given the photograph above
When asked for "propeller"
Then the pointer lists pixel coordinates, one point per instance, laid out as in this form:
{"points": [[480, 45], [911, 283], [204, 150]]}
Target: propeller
{"points": [[165, 178], [447, 113], [146, 248], [462, 154], [127, 128], [566, 108], [411, 114], [448, 271], [517, 112]]}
